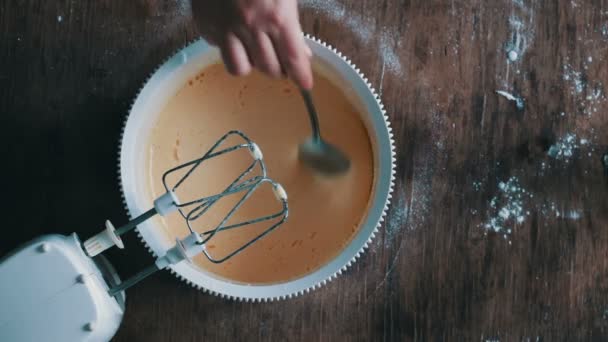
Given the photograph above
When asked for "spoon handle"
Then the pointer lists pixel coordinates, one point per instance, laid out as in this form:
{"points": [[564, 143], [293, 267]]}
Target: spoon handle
{"points": [[312, 113]]}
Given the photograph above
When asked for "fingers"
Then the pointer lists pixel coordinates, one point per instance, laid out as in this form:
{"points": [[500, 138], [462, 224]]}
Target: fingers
{"points": [[264, 55], [295, 56], [273, 43], [286, 54], [261, 34], [235, 55], [243, 50]]}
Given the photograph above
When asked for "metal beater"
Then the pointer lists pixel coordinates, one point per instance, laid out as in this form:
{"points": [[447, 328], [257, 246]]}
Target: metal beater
{"points": [[246, 183]]}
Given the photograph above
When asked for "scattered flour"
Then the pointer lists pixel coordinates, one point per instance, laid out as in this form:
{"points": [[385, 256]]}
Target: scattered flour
{"points": [[364, 29], [594, 100], [389, 56], [519, 41], [511, 206], [424, 168], [420, 196], [184, 7], [543, 166], [396, 218], [551, 210], [477, 185], [519, 102], [490, 338], [588, 94], [564, 148], [574, 215], [575, 79], [604, 31], [520, 3], [508, 208], [521, 26]]}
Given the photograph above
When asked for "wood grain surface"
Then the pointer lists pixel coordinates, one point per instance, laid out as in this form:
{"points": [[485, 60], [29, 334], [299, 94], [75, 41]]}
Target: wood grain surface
{"points": [[70, 69]]}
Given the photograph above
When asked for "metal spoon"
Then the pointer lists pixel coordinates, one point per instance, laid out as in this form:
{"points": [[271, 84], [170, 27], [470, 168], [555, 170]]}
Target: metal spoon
{"points": [[316, 152]]}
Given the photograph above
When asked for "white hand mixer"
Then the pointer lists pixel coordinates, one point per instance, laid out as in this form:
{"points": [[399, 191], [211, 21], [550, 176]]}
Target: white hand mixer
{"points": [[56, 288]]}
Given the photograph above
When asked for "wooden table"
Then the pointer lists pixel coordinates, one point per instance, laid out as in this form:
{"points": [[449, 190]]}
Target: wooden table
{"points": [[70, 69]]}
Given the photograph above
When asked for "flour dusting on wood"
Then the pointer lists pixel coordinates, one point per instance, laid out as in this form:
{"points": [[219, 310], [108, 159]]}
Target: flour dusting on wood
{"points": [[566, 146], [509, 208], [380, 38], [522, 31], [397, 217], [587, 91], [519, 102], [184, 7], [552, 210]]}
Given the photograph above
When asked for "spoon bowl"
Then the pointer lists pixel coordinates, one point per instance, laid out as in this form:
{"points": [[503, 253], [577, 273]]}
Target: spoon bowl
{"points": [[323, 157], [318, 154]]}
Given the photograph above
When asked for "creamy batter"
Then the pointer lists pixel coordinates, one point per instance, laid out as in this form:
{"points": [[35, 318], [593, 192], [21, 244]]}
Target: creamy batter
{"points": [[325, 213]]}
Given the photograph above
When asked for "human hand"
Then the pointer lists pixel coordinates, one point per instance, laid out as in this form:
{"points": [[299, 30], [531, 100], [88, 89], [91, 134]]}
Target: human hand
{"points": [[264, 34]]}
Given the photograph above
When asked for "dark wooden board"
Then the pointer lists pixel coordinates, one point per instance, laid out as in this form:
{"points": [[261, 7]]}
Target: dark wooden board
{"points": [[70, 69]]}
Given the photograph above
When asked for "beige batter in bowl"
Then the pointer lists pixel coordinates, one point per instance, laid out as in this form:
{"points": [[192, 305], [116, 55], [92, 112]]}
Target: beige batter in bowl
{"points": [[147, 112]]}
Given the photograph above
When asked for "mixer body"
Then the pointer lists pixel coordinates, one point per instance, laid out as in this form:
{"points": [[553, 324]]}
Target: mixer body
{"points": [[50, 290]]}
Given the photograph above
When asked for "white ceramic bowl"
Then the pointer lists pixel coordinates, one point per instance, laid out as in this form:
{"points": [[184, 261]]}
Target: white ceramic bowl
{"points": [[167, 80]]}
